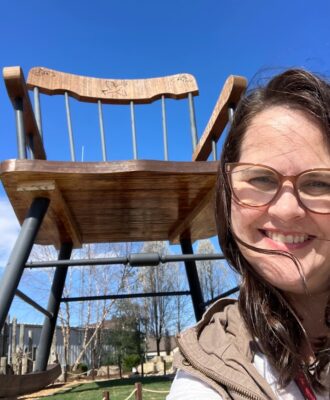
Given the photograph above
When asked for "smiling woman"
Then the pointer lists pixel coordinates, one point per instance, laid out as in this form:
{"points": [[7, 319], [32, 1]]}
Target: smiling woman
{"points": [[273, 214], [294, 219]]}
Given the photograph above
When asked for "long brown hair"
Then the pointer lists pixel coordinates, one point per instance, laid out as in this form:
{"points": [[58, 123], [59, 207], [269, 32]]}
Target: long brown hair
{"points": [[265, 310]]}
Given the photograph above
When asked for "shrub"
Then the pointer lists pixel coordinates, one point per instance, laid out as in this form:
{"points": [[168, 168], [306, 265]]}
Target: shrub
{"points": [[130, 361], [81, 368]]}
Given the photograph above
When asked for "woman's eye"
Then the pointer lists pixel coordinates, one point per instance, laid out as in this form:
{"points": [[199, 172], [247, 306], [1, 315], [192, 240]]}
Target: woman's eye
{"points": [[316, 187], [263, 182]]}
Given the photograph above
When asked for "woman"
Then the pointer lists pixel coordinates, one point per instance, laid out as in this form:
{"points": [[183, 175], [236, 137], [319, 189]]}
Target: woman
{"points": [[273, 215]]}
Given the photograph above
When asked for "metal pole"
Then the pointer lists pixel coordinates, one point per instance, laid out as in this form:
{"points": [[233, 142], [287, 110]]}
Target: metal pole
{"points": [[68, 117], [32, 303], [133, 131], [222, 295], [193, 280], [37, 110], [20, 130], [192, 121], [54, 301], [214, 150], [133, 259], [104, 153], [231, 111], [31, 145], [125, 296], [164, 129], [20, 254]]}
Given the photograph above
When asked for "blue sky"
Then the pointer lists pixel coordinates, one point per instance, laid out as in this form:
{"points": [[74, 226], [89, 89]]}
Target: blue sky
{"points": [[135, 39]]}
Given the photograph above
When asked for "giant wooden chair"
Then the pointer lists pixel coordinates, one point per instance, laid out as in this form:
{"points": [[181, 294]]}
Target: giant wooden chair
{"points": [[69, 203]]}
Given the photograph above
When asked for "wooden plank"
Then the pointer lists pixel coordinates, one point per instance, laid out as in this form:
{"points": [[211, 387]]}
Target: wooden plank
{"points": [[117, 201], [16, 385], [58, 214], [16, 88], [183, 229], [120, 91], [62, 212], [230, 94]]}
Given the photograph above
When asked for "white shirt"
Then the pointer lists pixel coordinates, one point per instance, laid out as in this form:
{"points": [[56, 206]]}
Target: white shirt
{"points": [[187, 387]]}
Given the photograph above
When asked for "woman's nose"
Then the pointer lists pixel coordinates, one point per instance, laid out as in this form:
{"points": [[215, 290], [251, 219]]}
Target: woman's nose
{"points": [[286, 205]]}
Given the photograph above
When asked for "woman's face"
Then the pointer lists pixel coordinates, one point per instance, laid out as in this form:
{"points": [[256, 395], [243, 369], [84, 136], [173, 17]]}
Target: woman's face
{"points": [[290, 142]]}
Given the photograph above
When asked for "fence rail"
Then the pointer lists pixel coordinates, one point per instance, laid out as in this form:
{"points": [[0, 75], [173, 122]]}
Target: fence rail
{"points": [[138, 391]]}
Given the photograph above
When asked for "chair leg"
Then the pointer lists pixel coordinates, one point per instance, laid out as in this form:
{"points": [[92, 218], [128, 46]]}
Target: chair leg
{"points": [[54, 302], [193, 280], [20, 254]]}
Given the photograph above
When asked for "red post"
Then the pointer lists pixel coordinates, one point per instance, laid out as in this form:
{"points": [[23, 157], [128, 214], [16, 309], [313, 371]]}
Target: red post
{"points": [[138, 393]]}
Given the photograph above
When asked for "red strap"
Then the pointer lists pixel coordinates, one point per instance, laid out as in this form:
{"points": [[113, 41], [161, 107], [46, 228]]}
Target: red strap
{"points": [[305, 387]]}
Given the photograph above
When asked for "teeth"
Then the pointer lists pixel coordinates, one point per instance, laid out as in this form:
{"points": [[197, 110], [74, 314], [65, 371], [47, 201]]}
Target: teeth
{"points": [[279, 237]]}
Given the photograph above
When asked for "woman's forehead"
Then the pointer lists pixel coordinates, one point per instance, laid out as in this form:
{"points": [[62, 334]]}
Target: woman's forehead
{"points": [[280, 132]]}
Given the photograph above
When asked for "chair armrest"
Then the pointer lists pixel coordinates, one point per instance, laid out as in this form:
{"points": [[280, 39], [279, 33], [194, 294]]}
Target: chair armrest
{"points": [[230, 95], [17, 89]]}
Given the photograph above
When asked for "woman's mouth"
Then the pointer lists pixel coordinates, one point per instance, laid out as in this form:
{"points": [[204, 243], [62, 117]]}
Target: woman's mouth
{"points": [[287, 240]]}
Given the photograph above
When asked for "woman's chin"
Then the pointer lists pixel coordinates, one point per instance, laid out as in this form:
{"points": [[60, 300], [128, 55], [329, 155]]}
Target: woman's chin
{"points": [[278, 270]]}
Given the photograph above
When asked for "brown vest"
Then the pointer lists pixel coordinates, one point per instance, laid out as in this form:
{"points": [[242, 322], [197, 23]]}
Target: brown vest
{"points": [[219, 350]]}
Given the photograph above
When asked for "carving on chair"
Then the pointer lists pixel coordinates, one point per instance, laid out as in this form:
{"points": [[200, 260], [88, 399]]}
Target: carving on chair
{"points": [[115, 87], [183, 78], [43, 72]]}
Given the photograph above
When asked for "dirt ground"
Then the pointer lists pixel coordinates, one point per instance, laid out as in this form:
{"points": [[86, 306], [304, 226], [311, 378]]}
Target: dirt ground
{"points": [[52, 389]]}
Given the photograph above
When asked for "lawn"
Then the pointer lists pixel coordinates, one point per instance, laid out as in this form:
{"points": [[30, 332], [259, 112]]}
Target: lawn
{"points": [[118, 389]]}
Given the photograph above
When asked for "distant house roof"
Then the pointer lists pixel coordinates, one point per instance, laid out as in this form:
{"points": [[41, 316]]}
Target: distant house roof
{"points": [[164, 342]]}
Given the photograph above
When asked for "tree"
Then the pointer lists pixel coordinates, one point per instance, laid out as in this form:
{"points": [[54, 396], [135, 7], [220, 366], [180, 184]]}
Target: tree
{"points": [[157, 310], [212, 274], [182, 313], [85, 281], [126, 336]]}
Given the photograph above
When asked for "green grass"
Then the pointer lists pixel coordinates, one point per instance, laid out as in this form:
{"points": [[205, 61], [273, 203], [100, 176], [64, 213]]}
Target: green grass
{"points": [[118, 389]]}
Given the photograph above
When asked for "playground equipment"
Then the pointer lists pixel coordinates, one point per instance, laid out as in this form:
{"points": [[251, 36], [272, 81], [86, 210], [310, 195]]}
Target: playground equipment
{"points": [[69, 203]]}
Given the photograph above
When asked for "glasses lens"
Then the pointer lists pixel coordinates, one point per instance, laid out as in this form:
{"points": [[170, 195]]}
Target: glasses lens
{"points": [[314, 190], [253, 185]]}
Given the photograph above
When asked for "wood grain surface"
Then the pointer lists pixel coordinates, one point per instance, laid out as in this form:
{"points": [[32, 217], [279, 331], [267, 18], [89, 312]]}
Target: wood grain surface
{"points": [[15, 385], [230, 94], [16, 88], [112, 91], [115, 201]]}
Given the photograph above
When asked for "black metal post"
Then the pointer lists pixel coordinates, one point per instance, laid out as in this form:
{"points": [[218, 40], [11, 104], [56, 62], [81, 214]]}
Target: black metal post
{"points": [[32, 303], [193, 280], [20, 129], [20, 254], [54, 302]]}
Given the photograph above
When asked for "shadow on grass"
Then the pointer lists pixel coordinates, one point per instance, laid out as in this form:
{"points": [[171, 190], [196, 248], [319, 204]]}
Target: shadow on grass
{"points": [[85, 387]]}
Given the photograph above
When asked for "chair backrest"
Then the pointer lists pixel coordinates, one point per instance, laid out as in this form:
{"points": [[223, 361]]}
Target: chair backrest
{"points": [[111, 91], [101, 91]]}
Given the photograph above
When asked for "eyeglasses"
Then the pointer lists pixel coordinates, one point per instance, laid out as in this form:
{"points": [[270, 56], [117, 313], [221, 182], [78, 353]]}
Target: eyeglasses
{"points": [[257, 185]]}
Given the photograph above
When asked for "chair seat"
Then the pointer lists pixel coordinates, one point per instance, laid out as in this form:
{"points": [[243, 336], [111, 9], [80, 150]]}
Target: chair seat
{"points": [[117, 201]]}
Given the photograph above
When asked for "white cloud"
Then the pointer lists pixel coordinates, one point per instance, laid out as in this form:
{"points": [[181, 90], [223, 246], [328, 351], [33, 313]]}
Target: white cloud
{"points": [[9, 229]]}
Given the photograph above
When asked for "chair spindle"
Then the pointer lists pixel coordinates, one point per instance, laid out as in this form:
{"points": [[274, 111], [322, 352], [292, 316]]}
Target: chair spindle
{"points": [[21, 142], [164, 129], [37, 109], [68, 116], [214, 150], [104, 152], [192, 121], [135, 155]]}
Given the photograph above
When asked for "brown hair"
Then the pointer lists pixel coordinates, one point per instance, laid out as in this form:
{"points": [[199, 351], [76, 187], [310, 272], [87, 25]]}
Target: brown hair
{"points": [[267, 314]]}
